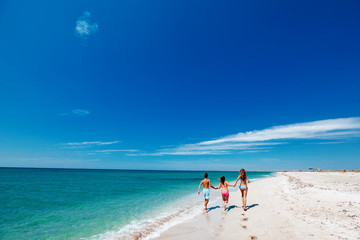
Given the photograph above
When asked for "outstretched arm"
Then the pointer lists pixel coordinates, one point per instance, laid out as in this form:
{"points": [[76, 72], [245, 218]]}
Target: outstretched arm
{"points": [[231, 185], [211, 185], [237, 181], [199, 187], [248, 179], [216, 187]]}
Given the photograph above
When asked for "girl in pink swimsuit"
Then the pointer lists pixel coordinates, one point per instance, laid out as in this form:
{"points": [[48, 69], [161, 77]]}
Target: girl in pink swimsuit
{"points": [[224, 190]]}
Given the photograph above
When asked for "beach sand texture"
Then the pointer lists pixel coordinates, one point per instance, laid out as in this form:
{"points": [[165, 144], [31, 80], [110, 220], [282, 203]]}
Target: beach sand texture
{"points": [[291, 205]]}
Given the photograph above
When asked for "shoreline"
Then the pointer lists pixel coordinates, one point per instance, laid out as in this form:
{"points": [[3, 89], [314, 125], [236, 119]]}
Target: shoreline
{"points": [[289, 205], [166, 219], [154, 227]]}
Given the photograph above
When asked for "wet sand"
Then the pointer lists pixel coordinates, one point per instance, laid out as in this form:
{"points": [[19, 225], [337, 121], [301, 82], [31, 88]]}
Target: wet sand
{"points": [[291, 205]]}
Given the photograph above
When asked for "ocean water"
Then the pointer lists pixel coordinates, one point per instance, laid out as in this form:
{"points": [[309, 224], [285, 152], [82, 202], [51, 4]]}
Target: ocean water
{"points": [[99, 204]]}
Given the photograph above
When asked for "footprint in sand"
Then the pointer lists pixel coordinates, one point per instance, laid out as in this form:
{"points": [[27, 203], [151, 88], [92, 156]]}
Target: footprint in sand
{"points": [[243, 214], [254, 238], [245, 219], [243, 226]]}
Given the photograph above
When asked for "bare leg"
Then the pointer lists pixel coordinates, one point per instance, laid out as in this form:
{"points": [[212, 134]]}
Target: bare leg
{"points": [[227, 198], [206, 203], [242, 198], [224, 202], [245, 195]]}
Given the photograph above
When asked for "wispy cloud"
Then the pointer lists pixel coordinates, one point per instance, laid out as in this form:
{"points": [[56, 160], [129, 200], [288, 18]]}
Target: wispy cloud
{"points": [[216, 149], [85, 27], [110, 151], [88, 144], [76, 113], [263, 140], [325, 129]]}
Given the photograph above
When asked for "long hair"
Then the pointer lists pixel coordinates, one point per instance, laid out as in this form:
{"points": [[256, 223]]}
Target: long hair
{"points": [[222, 179], [243, 174]]}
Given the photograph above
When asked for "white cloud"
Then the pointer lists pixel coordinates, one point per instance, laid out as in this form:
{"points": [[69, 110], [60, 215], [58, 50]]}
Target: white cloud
{"points": [[328, 129], [76, 113], [263, 140], [109, 151], [84, 27], [88, 144]]}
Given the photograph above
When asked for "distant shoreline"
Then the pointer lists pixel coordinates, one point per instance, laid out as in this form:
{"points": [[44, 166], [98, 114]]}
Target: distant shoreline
{"points": [[343, 170], [181, 170]]}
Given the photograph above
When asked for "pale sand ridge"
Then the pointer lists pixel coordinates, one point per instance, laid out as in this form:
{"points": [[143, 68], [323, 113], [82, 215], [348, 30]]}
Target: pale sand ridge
{"points": [[292, 205]]}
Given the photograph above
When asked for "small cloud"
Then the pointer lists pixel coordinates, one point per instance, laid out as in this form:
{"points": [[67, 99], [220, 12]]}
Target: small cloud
{"points": [[76, 113], [88, 144], [109, 151], [84, 26]]}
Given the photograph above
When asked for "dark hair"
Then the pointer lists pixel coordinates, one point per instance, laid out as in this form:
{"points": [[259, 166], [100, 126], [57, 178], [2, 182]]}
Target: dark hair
{"points": [[242, 174], [206, 175], [222, 179]]}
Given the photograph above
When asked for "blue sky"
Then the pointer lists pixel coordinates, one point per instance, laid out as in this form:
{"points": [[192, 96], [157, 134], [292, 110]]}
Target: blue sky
{"points": [[201, 85]]}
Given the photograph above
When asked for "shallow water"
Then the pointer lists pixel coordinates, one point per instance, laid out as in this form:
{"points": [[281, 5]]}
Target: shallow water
{"points": [[98, 204]]}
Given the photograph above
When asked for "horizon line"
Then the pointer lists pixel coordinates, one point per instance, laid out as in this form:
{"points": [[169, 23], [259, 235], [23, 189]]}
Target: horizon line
{"points": [[124, 169], [173, 170]]}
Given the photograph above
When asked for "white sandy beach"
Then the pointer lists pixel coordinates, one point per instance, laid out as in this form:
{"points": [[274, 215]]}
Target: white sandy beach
{"points": [[292, 205]]}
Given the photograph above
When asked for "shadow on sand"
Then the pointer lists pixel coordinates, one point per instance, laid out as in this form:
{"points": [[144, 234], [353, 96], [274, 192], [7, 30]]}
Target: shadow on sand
{"points": [[252, 205], [231, 207], [212, 208]]}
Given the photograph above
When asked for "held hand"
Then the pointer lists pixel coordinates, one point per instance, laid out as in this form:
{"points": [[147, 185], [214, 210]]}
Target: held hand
{"points": [[198, 192]]}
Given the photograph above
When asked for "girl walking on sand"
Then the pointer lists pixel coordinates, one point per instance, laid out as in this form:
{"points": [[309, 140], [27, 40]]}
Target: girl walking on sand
{"points": [[224, 190], [243, 186]]}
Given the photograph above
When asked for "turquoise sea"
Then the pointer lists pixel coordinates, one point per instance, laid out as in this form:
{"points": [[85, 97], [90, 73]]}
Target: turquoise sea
{"points": [[99, 204]]}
